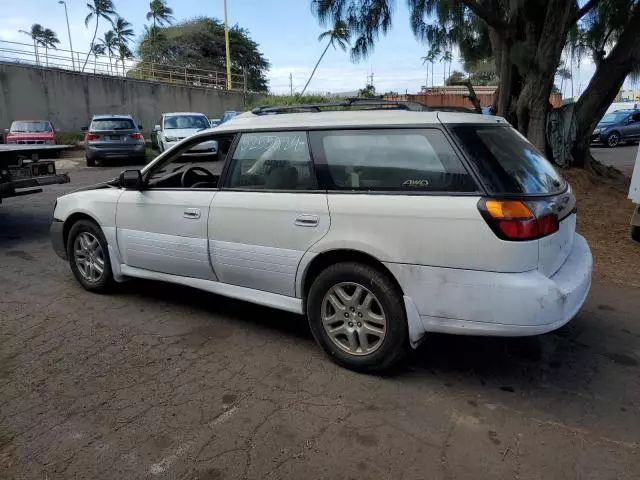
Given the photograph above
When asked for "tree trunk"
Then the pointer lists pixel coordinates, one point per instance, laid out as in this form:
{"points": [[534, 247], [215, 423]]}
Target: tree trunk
{"points": [[316, 67], [605, 85], [95, 33]]}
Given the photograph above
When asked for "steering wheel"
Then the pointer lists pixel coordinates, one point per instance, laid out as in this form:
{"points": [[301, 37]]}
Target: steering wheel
{"points": [[203, 172]]}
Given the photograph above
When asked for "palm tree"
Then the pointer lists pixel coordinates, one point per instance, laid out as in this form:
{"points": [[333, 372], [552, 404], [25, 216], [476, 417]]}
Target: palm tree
{"points": [[123, 31], [110, 44], [124, 53], [447, 57], [338, 35], [36, 33], [431, 57], [99, 9], [49, 40], [161, 14], [97, 49]]}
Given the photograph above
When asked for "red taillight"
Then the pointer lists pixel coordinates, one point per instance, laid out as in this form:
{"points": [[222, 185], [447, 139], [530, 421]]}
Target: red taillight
{"points": [[137, 136], [514, 220], [90, 136]]}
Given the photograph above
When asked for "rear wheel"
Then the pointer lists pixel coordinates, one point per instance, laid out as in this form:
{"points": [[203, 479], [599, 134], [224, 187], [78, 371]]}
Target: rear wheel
{"points": [[635, 233], [613, 139], [357, 316], [91, 162], [89, 256]]}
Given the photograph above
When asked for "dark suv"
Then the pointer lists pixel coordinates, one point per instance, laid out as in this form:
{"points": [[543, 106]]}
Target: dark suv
{"points": [[113, 136], [616, 127]]}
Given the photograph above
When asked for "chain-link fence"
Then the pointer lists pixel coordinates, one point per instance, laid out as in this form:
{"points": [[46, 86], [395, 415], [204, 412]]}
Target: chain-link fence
{"points": [[30, 54]]}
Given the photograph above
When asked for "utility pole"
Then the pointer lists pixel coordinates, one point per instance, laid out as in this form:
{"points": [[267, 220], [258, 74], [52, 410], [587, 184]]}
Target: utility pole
{"points": [[66, 14], [226, 46], [291, 83]]}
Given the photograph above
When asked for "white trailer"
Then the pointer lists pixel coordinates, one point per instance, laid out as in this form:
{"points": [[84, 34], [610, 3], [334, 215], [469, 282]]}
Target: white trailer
{"points": [[634, 195]]}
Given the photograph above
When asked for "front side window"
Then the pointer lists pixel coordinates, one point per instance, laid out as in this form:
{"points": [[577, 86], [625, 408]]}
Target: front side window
{"points": [[178, 122], [30, 127], [272, 161], [112, 124], [392, 160]]}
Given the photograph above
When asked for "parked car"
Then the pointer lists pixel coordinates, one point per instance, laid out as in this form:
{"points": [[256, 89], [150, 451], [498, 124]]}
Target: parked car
{"points": [[229, 114], [616, 127], [31, 132], [175, 127], [113, 136], [380, 225], [634, 196], [214, 122]]}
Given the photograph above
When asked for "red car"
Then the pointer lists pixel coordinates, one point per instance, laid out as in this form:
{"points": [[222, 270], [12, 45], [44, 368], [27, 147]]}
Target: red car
{"points": [[31, 132]]}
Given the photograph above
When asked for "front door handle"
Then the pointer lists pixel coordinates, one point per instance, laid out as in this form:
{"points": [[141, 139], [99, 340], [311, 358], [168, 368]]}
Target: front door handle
{"points": [[307, 220], [191, 213]]}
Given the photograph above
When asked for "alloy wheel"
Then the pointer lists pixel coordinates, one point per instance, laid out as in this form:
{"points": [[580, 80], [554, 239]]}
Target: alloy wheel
{"points": [[89, 257], [353, 318]]}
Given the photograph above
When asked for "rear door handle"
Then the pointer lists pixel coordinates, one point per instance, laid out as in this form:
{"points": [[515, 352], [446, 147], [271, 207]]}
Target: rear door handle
{"points": [[191, 213], [307, 220]]}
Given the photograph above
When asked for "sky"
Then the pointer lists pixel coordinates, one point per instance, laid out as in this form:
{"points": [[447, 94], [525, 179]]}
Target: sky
{"points": [[286, 32]]}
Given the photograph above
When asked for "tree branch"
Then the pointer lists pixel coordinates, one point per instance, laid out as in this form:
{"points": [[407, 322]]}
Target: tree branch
{"points": [[584, 10], [486, 14]]}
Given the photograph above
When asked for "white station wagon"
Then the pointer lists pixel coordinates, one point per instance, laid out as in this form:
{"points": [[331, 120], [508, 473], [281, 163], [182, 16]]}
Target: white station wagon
{"points": [[378, 222]]}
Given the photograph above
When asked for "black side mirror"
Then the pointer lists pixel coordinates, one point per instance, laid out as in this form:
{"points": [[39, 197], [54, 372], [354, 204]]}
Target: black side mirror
{"points": [[139, 127], [84, 129], [131, 180]]}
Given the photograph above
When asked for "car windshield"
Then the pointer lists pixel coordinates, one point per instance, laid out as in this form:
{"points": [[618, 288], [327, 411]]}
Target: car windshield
{"points": [[186, 121], [31, 127], [507, 162], [112, 124], [614, 117]]}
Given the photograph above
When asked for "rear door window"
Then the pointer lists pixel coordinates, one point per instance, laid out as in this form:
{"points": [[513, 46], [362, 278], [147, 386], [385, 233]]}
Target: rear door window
{"points": [[30, 127], [507, 162], [391, 160], [112, 124]]}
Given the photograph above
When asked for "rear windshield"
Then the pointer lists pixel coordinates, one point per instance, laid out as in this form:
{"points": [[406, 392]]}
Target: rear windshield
{"points": [[507, 162], [31, 127], [113, 124]]}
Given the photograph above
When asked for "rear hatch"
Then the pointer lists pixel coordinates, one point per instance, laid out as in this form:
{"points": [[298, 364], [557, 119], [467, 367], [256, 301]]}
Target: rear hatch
{"points": [[112, 132], [527, 200]]}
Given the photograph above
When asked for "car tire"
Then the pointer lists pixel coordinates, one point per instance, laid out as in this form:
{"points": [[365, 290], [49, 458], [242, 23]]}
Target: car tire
{"points": [[635, 233], [383, 315], [91, 162], [612, 140], [88, 253]]}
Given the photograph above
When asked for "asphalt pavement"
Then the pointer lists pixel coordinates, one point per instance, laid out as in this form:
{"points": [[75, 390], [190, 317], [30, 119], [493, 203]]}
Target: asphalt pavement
{"points": [[622, 157], [160, 381]]}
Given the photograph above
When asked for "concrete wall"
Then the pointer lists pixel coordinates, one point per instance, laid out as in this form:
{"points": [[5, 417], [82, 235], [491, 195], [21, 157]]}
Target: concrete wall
{"points": [[69, 99]]}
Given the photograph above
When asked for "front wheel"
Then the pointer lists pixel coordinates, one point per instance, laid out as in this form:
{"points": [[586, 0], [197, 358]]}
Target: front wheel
{"points": [[613, 139], [635, 233], [89, 256], [356, 314]]}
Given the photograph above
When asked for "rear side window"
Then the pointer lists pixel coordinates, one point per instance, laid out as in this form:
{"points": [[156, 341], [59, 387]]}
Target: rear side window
{"points": [[507, 162], [112, 124], [392, 160], [272, 161]]}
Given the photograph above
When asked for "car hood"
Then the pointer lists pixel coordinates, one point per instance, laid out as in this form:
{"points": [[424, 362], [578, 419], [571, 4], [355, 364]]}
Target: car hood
{"points": [[181, 132], [605, 124]]}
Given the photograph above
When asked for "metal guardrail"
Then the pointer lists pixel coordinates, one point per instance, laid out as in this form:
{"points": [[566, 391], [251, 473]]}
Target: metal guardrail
{"points": [[24, 53]]}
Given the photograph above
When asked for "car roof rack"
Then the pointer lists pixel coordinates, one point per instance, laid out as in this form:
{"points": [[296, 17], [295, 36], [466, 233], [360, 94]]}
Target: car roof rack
{"points": [[363, 103]]}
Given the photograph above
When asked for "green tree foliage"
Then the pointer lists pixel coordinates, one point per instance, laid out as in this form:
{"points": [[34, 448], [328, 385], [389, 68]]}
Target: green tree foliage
{"points": [[98, 9], [199, 43], [35, 33], [455, 78], [338, 35], [369, 91], [525, 40], [431, 57]]}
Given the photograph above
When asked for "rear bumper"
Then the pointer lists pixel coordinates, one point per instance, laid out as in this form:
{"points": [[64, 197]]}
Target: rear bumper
{"points": [[498, 304], [103, 151], [56, 232]]}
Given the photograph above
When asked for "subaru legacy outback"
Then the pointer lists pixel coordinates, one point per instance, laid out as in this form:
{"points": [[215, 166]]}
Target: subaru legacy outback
{"points": [[380, 223]]}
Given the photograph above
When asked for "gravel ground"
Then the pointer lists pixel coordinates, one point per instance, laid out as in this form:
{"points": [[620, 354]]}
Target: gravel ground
{"points": [[159, 381]]}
